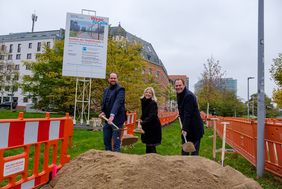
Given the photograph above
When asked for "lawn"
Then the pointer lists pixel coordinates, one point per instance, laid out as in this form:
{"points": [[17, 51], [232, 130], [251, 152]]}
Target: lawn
{"points": [[85, 140]]}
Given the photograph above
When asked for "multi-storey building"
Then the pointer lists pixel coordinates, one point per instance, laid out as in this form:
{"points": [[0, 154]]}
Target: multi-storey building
{"points": [[16, 48]]}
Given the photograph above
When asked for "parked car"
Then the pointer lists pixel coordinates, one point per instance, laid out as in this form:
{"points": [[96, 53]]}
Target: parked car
{"points": [[7, 105]]}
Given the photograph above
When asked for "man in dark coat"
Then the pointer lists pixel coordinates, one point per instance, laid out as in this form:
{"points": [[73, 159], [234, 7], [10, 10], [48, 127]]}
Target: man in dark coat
{"points": [[113, 108], [190, 117]]}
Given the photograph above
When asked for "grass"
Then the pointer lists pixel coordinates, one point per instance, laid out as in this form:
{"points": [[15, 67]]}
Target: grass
{"points": [[85, 140]]}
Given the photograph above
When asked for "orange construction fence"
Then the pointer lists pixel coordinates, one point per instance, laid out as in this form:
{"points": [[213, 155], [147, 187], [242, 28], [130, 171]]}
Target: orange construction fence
{"points": [[167, 117], [241, 135], [31, 150]]}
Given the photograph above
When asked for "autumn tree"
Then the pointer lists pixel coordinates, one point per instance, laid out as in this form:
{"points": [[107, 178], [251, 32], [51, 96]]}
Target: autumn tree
{"points": [[276, 74], [212, 91]]}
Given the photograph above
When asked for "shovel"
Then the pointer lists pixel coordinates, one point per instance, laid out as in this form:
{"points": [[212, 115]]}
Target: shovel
{"points": [[187, 146], [139, 129], [126, 139]]}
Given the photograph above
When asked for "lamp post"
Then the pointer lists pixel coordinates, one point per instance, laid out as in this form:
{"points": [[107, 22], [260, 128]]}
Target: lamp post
{"points": [[248, 96]]}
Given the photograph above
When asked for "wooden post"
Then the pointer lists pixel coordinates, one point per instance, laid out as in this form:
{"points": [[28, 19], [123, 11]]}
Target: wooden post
{"points": [[223, 142], [214, 138]]}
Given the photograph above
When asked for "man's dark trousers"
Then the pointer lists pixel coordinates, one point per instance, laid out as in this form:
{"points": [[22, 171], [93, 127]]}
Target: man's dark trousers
{"points": [[109, 134]]}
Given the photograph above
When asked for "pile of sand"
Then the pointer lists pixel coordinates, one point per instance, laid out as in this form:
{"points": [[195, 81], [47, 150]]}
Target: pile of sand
{"points": [[100, 169]]}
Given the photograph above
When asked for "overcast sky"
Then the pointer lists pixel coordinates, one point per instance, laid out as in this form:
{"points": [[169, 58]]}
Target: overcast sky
{"points": [[184, 33]]}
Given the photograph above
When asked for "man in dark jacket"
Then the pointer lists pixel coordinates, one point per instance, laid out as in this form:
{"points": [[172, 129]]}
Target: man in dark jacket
{"points": [[113, 108], [190, 117]]}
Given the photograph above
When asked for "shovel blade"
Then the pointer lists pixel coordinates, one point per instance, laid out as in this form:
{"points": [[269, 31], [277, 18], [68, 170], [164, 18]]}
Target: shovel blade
{"points": [[139, 131], [188, 147], [128, 140]]}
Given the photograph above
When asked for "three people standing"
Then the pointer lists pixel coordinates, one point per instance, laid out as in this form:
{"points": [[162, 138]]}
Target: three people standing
{"points": [[114, 109]]}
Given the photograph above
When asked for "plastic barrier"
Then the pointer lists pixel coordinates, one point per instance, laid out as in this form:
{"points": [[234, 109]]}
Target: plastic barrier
{"points": [[167, 117], [130, 123], [30, 149], [241, 135]]}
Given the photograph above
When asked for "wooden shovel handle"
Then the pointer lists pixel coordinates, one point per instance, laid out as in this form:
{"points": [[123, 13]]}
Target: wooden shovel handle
{"points": [[103, 117]]}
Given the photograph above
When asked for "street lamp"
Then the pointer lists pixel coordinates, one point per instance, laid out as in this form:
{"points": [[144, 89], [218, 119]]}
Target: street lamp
{"points": [[248, 96]]}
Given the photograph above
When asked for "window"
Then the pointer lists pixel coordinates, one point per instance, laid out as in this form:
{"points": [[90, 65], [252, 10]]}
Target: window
{"points": [[17, 67], [9, 67], [16, 77], [18, 56], [14, 88], [8, 77], [30, 45], [25, 99], [34, 100], [7, 88], [10, 57], [6, 99], [37, 55], [3, 48], [11, 48], [48, 44], [27, 67], [28, 56], [1, 57], [19, 48], [1, 67], [157, 74], [39, 46]]}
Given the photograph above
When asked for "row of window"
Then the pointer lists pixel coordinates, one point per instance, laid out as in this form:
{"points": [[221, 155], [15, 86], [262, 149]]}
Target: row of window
{"points": [[18, 56], [8, 77], [7, 99], [9, 88], [11, 47], [10, 67]]}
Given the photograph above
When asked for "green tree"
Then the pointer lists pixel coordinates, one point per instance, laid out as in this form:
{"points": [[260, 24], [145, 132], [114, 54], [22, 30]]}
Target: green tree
{"points": [[46, 84], [276, 74], [270, 110]]}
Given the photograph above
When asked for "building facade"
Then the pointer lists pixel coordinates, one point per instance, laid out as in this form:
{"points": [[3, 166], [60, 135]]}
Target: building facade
{"points": [[17, 48]]}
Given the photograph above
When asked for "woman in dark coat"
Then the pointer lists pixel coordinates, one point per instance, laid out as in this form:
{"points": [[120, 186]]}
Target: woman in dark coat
{"points": [[150, 121]]}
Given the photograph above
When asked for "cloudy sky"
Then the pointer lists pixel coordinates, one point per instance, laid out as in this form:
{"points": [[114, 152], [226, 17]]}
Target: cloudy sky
{"points": [[184, 33]]}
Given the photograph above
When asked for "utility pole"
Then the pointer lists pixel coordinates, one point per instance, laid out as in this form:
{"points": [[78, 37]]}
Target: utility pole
{"points": [[260, 102], [34, 19]]}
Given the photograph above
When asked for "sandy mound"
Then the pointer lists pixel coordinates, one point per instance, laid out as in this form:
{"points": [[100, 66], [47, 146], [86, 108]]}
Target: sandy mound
{"points": [[100, 169]]}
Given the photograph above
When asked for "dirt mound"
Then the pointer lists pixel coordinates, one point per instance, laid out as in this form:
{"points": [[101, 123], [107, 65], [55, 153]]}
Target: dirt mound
{"points": [[100, 169]]}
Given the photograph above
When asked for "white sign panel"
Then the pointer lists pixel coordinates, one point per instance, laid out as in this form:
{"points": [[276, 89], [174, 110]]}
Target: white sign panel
{"points": [[85, 50], [15, 166]]}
